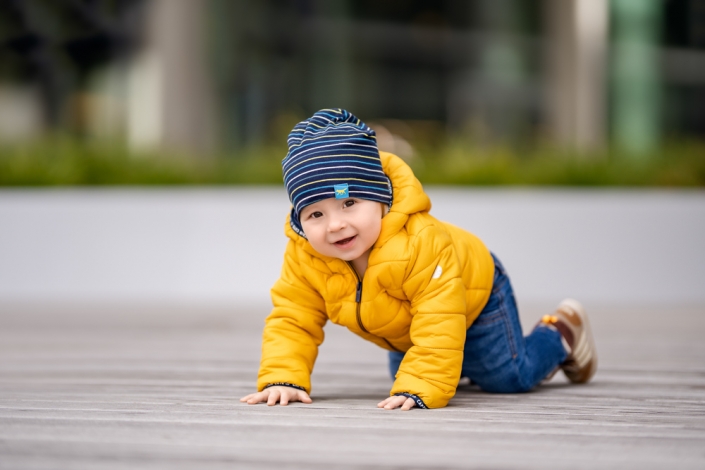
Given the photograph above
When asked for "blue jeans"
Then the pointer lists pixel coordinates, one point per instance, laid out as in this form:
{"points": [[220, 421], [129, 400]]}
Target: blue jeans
{"points": [[497, 356]]}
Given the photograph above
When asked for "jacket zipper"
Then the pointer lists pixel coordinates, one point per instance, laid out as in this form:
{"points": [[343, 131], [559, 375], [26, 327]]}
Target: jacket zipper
{"points": [[358, 300]]}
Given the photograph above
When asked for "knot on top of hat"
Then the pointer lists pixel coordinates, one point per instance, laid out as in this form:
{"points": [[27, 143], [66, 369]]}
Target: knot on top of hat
{"points": [[321, 123]]}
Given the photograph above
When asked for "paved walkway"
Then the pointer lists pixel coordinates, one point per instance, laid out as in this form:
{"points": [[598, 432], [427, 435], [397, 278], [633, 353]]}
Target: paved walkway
{"points": [[107, 387]]}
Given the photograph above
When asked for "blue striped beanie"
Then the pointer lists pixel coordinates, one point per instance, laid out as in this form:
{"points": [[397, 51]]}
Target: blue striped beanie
{"points": [[332, 154]]}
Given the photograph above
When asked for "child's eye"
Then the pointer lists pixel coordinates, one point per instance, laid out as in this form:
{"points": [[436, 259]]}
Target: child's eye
{"points": [[349, 203], [315, 215]]}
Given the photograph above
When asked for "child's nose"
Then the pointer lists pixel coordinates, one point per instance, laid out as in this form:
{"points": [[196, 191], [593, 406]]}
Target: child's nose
{"points": [[336, 223]]}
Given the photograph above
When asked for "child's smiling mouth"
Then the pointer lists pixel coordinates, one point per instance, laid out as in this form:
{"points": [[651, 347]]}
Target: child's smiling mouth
{"points": [[345, 242]]}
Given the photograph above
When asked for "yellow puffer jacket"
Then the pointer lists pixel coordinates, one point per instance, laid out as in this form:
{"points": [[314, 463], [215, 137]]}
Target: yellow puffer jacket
{"points": [[426, 282]]}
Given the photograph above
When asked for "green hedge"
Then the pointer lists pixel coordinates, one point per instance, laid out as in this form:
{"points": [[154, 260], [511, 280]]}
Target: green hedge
{"points": [[675, 164], [68, 162]]}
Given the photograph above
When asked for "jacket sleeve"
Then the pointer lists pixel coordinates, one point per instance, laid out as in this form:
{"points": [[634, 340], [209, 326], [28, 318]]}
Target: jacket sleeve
{"points": [[293, 330], [433, 284]]}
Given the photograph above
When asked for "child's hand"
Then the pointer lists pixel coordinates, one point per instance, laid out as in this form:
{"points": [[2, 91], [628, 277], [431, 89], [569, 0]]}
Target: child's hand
{"points": [[391, 403], [272, 395]]}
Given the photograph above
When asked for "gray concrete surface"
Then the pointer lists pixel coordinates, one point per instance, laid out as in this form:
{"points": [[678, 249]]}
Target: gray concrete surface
{"points": [[225, 245], [135, 386]]}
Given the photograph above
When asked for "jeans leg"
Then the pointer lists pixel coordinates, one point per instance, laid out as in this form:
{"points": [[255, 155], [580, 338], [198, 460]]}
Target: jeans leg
{"points": [[497, 356], [395, 359]]}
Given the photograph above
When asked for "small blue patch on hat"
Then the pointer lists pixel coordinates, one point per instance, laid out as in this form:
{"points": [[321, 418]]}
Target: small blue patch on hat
{"points": [[341, 191]]}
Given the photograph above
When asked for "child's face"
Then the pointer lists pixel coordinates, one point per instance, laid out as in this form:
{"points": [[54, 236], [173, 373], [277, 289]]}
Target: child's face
{"points": [[342, 228]]}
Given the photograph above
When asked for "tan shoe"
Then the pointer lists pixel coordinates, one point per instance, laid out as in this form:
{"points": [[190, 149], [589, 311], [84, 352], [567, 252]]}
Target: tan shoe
{"points": [[572, 323]]}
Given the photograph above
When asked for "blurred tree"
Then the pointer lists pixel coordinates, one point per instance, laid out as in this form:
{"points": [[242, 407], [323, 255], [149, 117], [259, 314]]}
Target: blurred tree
{"points": [[63, 42]]}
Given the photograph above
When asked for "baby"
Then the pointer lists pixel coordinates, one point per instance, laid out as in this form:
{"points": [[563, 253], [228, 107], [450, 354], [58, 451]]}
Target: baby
{"points": [[365, 252]]}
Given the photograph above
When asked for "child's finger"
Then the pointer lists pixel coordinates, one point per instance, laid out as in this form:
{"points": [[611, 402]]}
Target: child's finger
{"points": [[273, 398], [408, 404], [247, 397], [284, 399], [384, 402], [252, 398], [387, 401], [303, 396], [395, 402], [256, 398]]}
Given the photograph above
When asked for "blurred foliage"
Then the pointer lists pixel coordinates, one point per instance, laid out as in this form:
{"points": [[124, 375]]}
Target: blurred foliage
{"points": [[674, 164], [62, 161]]}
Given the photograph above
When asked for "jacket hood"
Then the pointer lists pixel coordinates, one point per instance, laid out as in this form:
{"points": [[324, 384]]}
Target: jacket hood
{"points": [[408, 197]]}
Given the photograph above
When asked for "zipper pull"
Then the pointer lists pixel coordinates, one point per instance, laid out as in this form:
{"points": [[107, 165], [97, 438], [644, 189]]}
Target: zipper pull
{"points": [[358, 294]]}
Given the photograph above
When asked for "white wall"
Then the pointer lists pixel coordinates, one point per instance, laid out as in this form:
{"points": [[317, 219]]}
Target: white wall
{"points": [[226, 245]]}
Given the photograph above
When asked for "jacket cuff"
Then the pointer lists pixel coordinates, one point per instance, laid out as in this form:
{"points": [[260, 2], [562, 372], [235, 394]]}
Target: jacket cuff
{"points": [[284, 384], [419, 401]]}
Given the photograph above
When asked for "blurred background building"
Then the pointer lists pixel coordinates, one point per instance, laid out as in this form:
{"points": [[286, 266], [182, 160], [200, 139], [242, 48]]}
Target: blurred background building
{"points": [[220, 75]]}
